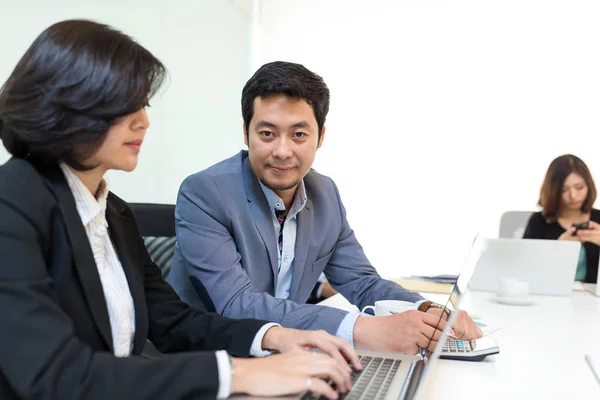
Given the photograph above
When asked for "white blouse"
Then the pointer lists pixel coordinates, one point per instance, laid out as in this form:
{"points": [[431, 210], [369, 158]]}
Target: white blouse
{"points": [[121, 313], [119, 302]]}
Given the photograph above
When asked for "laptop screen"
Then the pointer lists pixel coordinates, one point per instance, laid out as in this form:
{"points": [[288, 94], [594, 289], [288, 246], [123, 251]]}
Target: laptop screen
{"points": [[460, 288]]}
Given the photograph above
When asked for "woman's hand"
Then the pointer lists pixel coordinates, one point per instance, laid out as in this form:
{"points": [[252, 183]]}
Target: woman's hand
{"points": [[287, 340], [591, 235], [569, 234], [290, 373]]}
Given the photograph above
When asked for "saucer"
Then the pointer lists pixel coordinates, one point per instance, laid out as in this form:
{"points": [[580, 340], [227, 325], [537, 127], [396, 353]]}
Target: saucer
{"points": [[515, 301]]}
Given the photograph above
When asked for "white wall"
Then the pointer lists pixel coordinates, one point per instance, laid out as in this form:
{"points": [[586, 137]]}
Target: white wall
{"points": [[204, 45], [444, 114]]}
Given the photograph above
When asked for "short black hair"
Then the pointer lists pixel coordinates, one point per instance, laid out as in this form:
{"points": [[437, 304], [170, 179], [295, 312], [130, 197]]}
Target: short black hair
{"points": [[290, 79], [75, 80]]}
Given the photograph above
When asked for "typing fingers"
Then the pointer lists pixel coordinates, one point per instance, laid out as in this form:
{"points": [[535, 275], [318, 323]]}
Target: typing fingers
{"points": [[336, 347], [347, 352], [324, 366], [317, 385], [331, 348]]}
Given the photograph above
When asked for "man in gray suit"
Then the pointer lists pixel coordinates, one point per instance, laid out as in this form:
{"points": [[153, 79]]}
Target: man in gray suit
{"points": [[255, 231]]}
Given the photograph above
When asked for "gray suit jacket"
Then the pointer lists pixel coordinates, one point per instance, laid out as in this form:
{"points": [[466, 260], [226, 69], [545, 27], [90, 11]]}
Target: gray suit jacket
{"points": [[226, 249]]}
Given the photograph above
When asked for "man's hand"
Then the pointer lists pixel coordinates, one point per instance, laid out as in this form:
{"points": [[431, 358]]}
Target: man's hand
{"points": [[464, 326], [288, 340], [406, 332]]}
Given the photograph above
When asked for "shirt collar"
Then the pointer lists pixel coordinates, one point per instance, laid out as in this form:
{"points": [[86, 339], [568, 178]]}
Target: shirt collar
{"points": [[88, 206], [275, 202]]}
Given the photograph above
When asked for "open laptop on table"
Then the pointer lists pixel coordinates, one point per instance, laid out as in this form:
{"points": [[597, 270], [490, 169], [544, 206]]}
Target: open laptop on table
{"points": [[593, 288], [391, 376], [548, 265]]}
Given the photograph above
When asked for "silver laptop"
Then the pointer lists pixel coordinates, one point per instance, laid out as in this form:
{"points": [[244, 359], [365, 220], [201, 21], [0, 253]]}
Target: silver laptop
{"points": [[392, 376], [593, 288], [548, 265]]}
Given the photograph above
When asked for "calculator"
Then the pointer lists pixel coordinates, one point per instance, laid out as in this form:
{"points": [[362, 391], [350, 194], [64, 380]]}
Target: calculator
{"points": [[469, 350]]}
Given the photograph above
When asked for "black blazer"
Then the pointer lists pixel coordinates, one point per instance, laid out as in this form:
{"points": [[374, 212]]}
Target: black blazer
{"points": [[539, 228], [55, 336]]}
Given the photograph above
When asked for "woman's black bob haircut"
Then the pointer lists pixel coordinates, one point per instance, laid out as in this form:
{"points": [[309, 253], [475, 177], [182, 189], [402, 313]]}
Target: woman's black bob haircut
{"points": [[75, 80]]}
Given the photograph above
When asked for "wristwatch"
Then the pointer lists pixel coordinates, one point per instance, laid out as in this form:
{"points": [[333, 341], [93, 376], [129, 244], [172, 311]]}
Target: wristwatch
{"points": [[426, 305]]}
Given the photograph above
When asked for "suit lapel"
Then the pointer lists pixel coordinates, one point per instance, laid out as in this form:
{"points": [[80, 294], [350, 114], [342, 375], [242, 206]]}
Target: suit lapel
{"points": [[82, 252], [303, 235], [261, 214], [125, 235]]}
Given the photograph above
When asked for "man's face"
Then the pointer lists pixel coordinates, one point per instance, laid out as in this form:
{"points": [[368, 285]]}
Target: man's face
{"points": [[282, 140]]}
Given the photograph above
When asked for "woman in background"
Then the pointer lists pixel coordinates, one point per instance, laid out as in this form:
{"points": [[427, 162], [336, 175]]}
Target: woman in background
{"points": [[79, 292], [566, 197]]}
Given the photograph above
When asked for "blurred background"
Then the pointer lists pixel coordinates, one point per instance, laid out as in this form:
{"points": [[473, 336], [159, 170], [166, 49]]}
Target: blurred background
{"points": [[443, 116]]}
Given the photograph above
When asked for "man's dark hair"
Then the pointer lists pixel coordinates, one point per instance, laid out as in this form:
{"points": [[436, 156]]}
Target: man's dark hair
{"points": [[77, 78], [293, 80]]}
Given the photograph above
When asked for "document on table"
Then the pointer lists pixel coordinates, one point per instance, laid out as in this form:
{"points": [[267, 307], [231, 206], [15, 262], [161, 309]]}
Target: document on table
{"points": [[483, 325], [419, 285]]}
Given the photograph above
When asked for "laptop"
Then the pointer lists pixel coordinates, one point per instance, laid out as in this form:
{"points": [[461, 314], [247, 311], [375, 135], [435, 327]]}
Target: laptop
{"points": [[392, 376], [593, 288], [548, 265], [594, 363]]}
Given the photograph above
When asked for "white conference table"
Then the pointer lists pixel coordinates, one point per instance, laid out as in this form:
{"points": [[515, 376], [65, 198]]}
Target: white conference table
{"points": [[542, 349]]}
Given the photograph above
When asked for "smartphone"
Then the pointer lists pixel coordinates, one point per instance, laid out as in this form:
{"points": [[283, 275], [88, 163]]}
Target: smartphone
{"points": [[581, 225]]}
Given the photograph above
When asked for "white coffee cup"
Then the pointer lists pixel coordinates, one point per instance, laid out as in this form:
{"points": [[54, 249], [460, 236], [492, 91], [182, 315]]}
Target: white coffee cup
{"points": [[513, 288], [389, 307]]}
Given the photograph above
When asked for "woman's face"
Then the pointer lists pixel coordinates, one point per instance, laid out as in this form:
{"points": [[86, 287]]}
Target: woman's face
{"points": [[574, 192], [123, 142]]}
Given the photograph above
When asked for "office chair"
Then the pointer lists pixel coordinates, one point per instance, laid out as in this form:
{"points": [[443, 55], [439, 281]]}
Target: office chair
{"points": [[513, 224], [157, 226]]}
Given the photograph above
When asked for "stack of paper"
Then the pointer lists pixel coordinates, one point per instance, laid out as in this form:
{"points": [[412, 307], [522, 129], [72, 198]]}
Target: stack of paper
{"points": [[437, 278], [419, 285]]}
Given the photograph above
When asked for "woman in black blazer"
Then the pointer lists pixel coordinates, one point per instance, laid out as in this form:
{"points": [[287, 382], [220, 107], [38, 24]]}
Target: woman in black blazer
{"points": [[566, 197], [73, 108]]}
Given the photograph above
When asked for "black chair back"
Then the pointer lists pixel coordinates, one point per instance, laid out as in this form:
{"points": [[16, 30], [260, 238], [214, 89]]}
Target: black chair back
{"points": [[157, 226]]}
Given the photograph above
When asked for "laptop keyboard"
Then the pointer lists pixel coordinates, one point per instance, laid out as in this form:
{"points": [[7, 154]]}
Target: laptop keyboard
{"points": [[371, 383], [457, 346]]}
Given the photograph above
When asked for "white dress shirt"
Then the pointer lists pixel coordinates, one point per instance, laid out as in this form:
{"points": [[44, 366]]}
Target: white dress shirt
{"points": [[92, 211], [285, 259], [119, 303]]}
